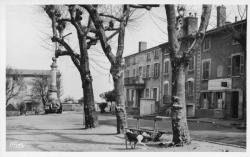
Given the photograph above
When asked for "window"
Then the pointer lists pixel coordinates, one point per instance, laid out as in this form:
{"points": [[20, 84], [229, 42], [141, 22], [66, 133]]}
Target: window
{"points": [[165, 89], [148, 56], [140, 71], [166, 66], [126, 73], [205, 69], [205, 100], [189, 88], [127, 94], [133, 72], [155, 94], [191, 64], [147, 71], [156, 54], [219, 100], [206, 44], [133, 61], [144, 72], [220, 71], [156, 70], [237, 65], [127, 61], [147, 93], [132, 95]]}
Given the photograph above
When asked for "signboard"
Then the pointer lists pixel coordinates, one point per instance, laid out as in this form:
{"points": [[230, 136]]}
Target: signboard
{"points": [[220, 84]]}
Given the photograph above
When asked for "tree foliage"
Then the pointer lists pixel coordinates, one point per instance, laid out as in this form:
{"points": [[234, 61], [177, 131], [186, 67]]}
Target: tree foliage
{"points": [[108, 96]]}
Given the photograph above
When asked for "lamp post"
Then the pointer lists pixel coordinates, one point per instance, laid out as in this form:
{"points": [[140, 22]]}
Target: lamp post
{"points": [[53, 104]]}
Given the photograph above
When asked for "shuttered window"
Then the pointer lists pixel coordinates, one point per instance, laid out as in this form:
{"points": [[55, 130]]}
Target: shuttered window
{"points": [[147, 71], [229, 66], [133, 72], [236, 65], [144, 72], [165, 88], [242, 64], [205, 70], [148, 56], [191, 64], [156, 70], [166, 67], [140, 71], [189, 88]]}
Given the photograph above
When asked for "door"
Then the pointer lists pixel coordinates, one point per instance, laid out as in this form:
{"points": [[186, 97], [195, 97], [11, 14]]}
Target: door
{"points": [[234, 104]]}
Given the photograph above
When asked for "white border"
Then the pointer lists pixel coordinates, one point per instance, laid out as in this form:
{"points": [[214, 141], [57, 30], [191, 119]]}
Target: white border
{"points": [[2, 76]]}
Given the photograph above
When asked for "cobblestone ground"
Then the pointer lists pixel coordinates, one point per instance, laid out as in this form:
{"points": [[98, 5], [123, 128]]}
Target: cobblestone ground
{"points": [[64, 132]]}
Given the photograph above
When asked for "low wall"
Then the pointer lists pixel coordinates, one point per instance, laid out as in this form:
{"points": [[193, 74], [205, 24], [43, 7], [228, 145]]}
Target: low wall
{"points": [[209, 113], [12, 113], [71, 107]]}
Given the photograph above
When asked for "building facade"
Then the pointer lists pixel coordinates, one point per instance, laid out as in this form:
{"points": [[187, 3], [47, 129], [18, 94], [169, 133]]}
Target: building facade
{"points": [[142, 79], [215, 78], [222, 83], [26, 98]]}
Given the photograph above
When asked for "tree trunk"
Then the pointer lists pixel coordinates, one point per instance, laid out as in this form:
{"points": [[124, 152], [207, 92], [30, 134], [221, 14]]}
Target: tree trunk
{"points": [[120, 110], [179, 121], [91, 120], [90, 116]]}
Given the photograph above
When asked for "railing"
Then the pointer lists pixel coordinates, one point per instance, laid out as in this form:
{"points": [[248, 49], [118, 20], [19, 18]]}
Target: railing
{"points": [[133, 80]]}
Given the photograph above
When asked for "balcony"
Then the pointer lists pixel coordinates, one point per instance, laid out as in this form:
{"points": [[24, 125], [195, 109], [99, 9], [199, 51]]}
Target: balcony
{"points": [[136, 82]]}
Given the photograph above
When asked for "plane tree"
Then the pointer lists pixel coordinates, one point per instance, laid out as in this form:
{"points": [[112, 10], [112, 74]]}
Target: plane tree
{"points": [[180, 58]]}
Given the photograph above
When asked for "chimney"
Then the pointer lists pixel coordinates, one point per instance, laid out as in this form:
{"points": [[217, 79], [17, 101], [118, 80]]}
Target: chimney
{"points": [[221, 15], [142, 46], [190, 25], [235, 18]]}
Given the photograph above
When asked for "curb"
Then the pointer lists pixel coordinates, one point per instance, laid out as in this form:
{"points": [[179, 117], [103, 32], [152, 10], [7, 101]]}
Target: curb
{"points": [[220, 143], [211, 122]]}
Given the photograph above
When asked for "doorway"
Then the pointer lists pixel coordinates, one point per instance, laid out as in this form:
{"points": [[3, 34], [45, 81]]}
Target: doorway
{"points": [[234, 104]]}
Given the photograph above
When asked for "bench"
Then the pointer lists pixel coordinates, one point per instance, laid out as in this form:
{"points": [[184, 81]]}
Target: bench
{"points": [[152, 134]]}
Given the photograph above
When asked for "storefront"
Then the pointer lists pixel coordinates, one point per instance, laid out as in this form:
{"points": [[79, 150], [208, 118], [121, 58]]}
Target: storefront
{"points": [[220, 100]]}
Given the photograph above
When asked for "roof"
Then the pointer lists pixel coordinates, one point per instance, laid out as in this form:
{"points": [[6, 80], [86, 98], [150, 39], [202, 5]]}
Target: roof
{"points": [[163, 44], [11, 107], [216, 30], [209, 32], [30, 72]]}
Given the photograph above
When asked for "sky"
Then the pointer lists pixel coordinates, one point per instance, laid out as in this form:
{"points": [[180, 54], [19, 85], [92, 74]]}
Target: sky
{"points": [[28, 34]]}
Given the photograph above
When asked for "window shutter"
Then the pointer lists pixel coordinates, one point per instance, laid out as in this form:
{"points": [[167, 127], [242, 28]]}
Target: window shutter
{"points": [[144, 72], [229, 66], [158, 70], [167, 67], [242, 64], [157, 94], [151, 72], [137, 71]]}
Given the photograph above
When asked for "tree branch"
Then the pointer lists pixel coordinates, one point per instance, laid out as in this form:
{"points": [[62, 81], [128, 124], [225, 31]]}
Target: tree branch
{"points": [[111, 16], [100, 31], [148, 7], [72, 12], [172, 32], [69, 51], [76, 63]]}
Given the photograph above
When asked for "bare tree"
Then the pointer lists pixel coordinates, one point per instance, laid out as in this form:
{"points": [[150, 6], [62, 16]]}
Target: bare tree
{"points": [[115, 59], [179, 62], [40, 88], [86, 38], [14, 84]]}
